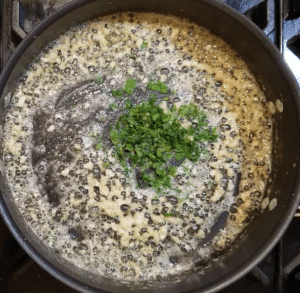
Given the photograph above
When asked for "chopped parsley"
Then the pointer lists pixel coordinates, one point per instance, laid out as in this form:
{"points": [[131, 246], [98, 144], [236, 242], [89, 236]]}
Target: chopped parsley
{"points": [[170, 214], [150, 139], [172, 170], [130, 85], [98, 79], [105, 165], [99, 144], [118, 93], [113, 106], [182, 199], [157, 86], [144, 45]]}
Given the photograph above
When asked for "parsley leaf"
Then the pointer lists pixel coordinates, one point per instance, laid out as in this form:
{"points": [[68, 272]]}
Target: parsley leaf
{"points": [[144, 45], [170, 214], [129, 85], [128, 88], [98, 79], [172, 171], [105, 165], [113, 106], [98, 146], [118, 93], [157, 86]]}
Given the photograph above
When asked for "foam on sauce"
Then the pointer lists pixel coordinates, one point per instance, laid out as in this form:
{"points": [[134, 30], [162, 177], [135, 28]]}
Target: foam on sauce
{"points": [[78, 199]]}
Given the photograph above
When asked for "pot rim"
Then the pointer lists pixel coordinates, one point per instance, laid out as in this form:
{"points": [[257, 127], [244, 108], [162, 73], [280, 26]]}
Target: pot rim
{"points": [[276, 234]]}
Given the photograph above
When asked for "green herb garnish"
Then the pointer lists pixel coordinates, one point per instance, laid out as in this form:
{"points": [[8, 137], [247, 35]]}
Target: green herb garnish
{"points": [[144, 45], [128, 88], [186, 169], [172, 170], [177, 190], [118, 93], [98, 79], [105, 165], [99, 144], [157, 86], [148, 138], [171, 214], [182, 199], [113, 106]]}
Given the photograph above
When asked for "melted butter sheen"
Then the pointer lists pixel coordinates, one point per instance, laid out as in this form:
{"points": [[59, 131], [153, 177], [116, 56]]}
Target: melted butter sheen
{"points": [[78, 200]]}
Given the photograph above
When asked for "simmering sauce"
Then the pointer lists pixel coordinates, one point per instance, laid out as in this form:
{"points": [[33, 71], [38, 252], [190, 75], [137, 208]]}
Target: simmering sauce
{"points": [[72, 190]]}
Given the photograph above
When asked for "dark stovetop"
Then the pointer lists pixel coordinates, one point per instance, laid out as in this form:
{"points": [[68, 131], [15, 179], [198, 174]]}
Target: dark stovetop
{"points": [[279, 272]]}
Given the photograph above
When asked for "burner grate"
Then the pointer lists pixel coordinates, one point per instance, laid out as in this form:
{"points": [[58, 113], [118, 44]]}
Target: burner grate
{"points": [[297, 215]]}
